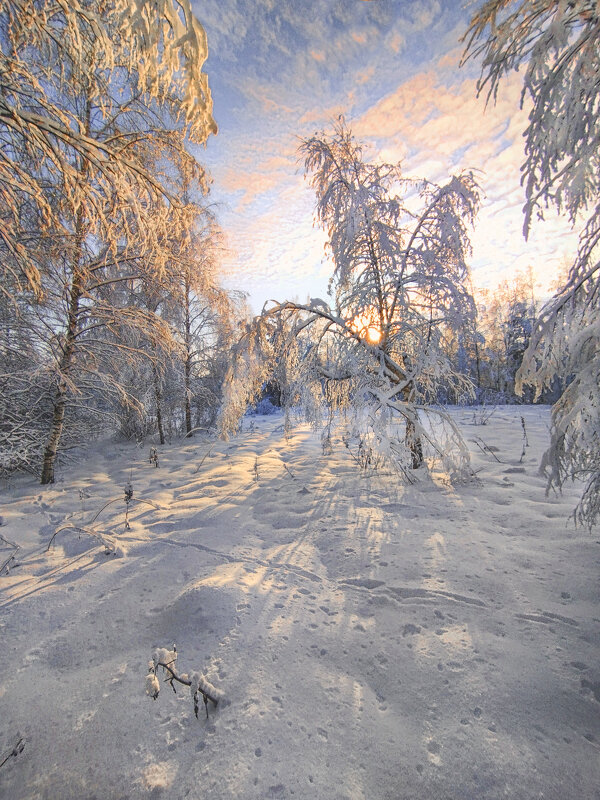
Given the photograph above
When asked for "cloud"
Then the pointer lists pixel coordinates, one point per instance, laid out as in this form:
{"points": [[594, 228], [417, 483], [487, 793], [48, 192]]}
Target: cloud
{"points": [[282, 265], [396, 42], [285, 73], [436, 125], [366, 76]]}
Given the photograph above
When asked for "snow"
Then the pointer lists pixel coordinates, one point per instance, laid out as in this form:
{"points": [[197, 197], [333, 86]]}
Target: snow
{"points": [[370, 639]]}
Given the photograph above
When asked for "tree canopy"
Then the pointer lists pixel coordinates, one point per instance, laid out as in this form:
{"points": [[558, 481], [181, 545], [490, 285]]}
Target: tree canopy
{"points": [[399, 248]]}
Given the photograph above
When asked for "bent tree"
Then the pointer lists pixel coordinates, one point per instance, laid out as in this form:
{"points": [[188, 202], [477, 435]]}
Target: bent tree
{"points": [[399, 248], [556, 43]]}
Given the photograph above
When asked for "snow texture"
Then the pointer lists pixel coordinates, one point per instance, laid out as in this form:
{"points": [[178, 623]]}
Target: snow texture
{"points": [[373, 639]]}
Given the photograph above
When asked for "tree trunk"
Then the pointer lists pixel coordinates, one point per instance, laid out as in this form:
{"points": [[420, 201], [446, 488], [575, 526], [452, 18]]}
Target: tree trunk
{"points": [[158, 399], [188, 405], [478, 364], [68, 352], [58, 418], [187, 367], [66, 361], [412, 440], [414, 444]]}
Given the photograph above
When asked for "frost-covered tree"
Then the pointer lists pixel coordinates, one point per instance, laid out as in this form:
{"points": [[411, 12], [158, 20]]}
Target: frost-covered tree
{"points": [[399, 248], [556, 44], [47, 48], [202, 309], [24, 388], [505, 321], [92, 95], [179, 386]]}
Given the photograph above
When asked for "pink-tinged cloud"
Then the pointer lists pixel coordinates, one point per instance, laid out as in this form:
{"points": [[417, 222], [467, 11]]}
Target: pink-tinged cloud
{"points": [[437, 129], [278, 254], [366, 76], [435, 124], [397, 43]]}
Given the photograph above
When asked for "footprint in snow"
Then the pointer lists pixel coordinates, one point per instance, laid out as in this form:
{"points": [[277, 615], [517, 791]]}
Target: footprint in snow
{"points": [[364, 583]]}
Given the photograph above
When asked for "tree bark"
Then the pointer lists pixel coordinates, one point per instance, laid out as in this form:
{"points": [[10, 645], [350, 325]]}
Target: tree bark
{"points": [[412, 440], [414, 444], [187, 367], [158, 399], [66, 361], [68, 352], [58, 418]]}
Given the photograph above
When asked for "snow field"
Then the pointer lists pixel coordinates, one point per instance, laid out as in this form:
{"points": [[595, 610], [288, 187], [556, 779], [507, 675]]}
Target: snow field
{"points": [[371, 639]]}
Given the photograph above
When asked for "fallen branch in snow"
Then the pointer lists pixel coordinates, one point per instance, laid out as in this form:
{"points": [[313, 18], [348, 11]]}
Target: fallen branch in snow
{"points": [[6, 564], [198, 428], [17, 749], [106, 541], [199, 685]]}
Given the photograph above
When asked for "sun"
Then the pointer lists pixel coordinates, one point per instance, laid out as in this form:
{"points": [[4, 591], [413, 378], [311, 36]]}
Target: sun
{"points": [[365, 326]]}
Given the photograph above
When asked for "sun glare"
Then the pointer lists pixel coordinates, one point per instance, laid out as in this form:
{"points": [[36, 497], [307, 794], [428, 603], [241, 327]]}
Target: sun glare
{"points": [[366, 328]]}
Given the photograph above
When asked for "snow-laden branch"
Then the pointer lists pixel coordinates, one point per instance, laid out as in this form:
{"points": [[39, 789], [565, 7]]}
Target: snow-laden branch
{"points": [[200, 686], [556, 44]]}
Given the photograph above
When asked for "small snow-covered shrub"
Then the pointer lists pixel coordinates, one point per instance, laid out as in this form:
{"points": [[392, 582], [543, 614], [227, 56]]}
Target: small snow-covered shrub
{"points": [[482, 414]]}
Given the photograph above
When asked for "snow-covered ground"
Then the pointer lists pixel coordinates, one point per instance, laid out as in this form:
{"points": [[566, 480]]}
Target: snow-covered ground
{"points": [[371, 639]]}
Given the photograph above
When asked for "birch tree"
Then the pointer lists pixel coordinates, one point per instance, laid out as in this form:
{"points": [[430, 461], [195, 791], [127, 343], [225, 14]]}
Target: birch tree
{"points": [[556, 44], [186, 377], [399, 248], [92, 97], [45, 51]]}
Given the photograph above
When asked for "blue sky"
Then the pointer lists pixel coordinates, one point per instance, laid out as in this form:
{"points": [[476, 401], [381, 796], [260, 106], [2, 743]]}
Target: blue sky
{"points": [[281, 70]]}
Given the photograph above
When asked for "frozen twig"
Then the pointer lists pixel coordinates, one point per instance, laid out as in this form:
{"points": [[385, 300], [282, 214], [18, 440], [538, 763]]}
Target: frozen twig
{"points": [[6, 564], [525, 440], [17, 750], [483, 415], [199, 685], [206, 455], [486, 449], [104, 541]]}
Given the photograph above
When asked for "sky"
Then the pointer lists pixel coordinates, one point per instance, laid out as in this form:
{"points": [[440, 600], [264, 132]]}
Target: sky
{"points": [[282, 70]]}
